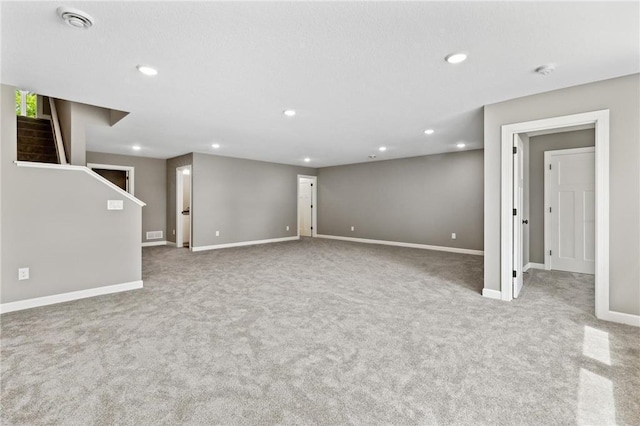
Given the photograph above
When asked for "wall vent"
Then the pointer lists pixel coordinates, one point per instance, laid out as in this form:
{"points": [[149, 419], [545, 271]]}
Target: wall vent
{"points": [[154, 235]]}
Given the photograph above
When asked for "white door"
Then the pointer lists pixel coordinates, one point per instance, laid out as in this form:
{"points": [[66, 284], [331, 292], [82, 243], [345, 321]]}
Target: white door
{"points": [[518, 205], [570, 215], [305, 202]]}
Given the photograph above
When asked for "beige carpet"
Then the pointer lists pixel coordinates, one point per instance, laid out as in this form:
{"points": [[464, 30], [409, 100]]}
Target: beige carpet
{"points": [[320, 332]]}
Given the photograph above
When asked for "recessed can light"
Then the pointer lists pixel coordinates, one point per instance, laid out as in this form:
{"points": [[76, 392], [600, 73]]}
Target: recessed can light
{"points": [[382, 149], [306, 160], [136, 148], [146, 70], [289, 112], [429, 132], [461, 145], [456, 58], [215, 146]]}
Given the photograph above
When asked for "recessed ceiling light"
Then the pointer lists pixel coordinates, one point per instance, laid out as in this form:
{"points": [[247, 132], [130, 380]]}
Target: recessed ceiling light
{"points": [[136, 148], [306, 160], [461, 145], [382, 149], [456, 58], [146, 70], [429, 132], [215, 145], [289, 112]]}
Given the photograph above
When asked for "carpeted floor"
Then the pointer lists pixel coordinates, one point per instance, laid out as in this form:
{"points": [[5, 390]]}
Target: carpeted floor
{"points": [[321, 332]]}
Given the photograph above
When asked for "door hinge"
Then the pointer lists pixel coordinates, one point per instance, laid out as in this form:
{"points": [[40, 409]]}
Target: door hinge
{"points": [[311, 205], [549, 166], [515, 149], [549, 209], [550, 252], [515, 274], [515, 212], [311, 184], [312, 227]]}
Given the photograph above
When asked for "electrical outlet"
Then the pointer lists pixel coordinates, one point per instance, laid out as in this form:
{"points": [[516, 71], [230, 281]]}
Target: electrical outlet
{"points": [[353, 228], [23, 273], [217, 233], [453, 236], [287, 227]]}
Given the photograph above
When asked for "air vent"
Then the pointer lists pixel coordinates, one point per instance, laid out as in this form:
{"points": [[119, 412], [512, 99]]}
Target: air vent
{"points": [[154, 235], [75, 18]]}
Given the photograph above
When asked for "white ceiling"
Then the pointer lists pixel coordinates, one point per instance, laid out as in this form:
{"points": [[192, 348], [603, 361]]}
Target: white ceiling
{"points": [[360, 75]]}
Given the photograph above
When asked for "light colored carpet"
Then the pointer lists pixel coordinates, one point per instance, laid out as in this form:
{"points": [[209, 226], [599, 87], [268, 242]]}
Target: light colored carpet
{"points": [[321, 332]]}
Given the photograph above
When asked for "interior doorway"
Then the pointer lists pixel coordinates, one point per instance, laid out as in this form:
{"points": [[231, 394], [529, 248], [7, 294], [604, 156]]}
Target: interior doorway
{"points": [[511, 245], [307, 206], [121, 176], [183, 207]]}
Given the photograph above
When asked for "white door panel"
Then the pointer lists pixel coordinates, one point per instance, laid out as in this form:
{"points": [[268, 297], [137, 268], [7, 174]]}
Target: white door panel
{"points": [[570, 176], [518, 204], [304, 207]]}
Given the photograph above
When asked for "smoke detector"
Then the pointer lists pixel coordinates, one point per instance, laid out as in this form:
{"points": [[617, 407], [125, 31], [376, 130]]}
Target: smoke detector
{"points": [[75, 18], [546, 69]]}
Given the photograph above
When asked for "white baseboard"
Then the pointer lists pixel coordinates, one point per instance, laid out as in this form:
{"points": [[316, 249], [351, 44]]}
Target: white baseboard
{"points": [[622, 318], [532, 265], [171, 244], [67, 297], [244, 243], [401, 244], [154, 243], [492, 294]]}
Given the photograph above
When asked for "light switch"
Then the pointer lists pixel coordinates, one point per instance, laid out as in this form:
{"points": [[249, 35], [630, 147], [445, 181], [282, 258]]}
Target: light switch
{"points": [[115, 205]]}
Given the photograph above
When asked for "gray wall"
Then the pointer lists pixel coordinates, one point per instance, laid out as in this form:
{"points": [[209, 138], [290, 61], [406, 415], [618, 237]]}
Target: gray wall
{"points": [[245, 200], [620, 96], [537, 146], [172, 165], [56, 223], [415, 200], [150, 185]]}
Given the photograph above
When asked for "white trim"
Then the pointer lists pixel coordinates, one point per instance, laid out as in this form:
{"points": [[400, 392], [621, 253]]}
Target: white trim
{"points": [[314, 203], [601, 121], [80, 169], [622, 318], [154, 243], [244, 243], [67, 297], [401, 244], [57, 133], [532, 265], [179, 195], [492, 294], [129, 169]]}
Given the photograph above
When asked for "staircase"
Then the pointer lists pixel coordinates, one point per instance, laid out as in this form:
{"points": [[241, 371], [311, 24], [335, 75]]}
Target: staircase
{"points": [[35, 141]]}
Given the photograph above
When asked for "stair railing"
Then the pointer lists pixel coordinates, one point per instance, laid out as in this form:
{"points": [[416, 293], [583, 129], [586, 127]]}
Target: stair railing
{"points": [[57, 134]]}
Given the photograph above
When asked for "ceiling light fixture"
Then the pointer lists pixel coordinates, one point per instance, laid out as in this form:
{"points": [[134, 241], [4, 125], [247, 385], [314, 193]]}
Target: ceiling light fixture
{"points": [[147, 70], [306, 160], [456, 58], [461, 145], [546, 69], [382, 149], [75, 18], [429, 132], [215, 146], [136, 148], [289, 112]]}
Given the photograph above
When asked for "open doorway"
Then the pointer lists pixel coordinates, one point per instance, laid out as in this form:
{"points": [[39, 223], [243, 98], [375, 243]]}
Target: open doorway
{"points": [[512, 209], [183, 207], [307, 196], [121, 176]]}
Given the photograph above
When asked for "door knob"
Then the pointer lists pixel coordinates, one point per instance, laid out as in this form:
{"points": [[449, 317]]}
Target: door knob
{"points": [[526, 221]]}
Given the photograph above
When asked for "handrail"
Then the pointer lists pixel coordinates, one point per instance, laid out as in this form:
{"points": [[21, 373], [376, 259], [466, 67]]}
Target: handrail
{"points": [[57, 134], [81, 169]]}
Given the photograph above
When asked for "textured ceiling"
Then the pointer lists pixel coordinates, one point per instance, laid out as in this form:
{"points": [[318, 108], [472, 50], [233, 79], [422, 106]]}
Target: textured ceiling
{"points": [[360, 75]]}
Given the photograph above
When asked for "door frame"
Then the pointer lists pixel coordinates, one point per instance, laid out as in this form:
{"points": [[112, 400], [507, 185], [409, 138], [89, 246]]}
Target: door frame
{"points": [[130, 173], [179, 193], [314, 203], [600, 119], [547, 198]]}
